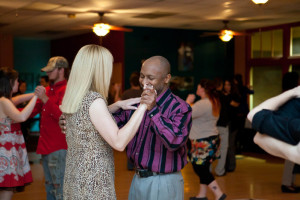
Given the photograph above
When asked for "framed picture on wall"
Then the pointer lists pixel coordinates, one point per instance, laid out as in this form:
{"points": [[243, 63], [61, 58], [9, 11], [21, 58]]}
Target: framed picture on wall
{"points": [[185, 57], [182, 83]]}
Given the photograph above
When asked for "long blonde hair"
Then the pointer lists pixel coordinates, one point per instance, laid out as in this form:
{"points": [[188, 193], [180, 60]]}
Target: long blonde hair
{"points": [[91, 71]]}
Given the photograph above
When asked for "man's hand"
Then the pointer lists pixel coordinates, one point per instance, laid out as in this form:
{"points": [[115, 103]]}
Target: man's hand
{"points": [[149, 98], [62, 123], [40, 92]]}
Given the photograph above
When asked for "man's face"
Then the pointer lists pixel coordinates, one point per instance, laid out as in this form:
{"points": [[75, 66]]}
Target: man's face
{"points": [[227, 86], [152, 74], [23, 87], [53, 75]]}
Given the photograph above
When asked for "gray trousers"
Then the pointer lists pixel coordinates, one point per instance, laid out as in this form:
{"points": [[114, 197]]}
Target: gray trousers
{"points": [[288, 177], [159, 187], [224, 133]]}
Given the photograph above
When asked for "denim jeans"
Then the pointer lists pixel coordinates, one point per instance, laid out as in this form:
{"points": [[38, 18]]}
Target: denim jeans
{"points": [[54, 170]]}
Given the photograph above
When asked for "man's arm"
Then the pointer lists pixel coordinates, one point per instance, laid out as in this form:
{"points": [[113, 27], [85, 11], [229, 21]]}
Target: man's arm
{"points": [[52, 107], [173, 132], [275, 102], [39, 103]]}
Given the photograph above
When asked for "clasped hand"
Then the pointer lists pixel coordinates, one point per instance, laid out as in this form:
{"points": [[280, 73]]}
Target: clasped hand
{"points": [[149, 98], [40, 92]]}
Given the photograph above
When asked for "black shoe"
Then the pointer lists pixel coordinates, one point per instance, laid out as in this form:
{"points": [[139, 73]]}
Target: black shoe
{"points": [[223, 197], [230, 170], [289, 189], [201, 198]]}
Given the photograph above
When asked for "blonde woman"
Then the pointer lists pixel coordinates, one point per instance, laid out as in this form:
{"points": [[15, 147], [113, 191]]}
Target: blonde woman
{"points": [[91, 131]]}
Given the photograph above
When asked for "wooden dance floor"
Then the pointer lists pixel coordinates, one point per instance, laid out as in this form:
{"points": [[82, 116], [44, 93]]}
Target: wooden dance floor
{"points": [[257, 176]]}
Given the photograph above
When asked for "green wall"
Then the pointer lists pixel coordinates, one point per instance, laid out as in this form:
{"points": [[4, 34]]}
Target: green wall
{"points": [[212, 57], [30, 55]]}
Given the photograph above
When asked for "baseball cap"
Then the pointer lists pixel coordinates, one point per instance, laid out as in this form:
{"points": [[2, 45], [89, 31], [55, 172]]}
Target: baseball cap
{"points": [[55, 62]]}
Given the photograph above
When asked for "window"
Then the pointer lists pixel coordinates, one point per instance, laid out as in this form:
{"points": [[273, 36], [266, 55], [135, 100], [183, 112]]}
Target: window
{"points": [[266, 82], [269, 60], [265, 44], [295, 41]]}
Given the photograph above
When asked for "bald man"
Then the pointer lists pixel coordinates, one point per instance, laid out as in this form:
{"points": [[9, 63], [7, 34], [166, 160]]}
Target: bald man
{"points": [[158, 150]]}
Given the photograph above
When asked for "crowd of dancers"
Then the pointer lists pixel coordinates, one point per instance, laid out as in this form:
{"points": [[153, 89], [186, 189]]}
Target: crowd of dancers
{"points": [[160, 132]]}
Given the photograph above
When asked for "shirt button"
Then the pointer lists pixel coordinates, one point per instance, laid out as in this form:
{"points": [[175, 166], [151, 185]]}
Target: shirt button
{"points": [[151, 115], [136, 153]]}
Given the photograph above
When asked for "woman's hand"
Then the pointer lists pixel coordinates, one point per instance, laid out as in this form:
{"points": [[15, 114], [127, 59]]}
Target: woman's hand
{"points": [[297, 91], [190, 99], [128, 104], [62, 123]]}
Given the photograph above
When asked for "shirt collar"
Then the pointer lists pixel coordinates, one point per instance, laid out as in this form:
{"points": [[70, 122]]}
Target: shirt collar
{"points": [[60, 83], [163, 96]]}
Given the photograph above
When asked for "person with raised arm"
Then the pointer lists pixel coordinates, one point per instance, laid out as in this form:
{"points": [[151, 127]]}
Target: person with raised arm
{"points": [[15, 168]]}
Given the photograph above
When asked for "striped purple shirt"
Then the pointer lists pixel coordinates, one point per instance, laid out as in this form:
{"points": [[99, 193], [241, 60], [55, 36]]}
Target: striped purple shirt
{"points": [[160, 143]]}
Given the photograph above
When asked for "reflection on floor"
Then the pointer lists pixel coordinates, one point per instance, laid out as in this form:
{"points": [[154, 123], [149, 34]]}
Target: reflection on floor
{"points": [[257, 176]]}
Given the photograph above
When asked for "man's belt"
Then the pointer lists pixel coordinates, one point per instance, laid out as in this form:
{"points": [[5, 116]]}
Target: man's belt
{"points": [[143, 173]]}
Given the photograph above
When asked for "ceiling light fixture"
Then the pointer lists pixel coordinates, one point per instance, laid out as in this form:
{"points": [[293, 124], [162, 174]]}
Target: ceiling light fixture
{"points": [[226, 35], [101, 29], [260, 1], [71, 15]]}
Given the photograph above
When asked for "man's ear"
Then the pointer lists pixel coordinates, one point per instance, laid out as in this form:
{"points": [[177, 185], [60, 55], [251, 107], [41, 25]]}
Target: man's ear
{"points": [[168, 78], [62, 70]]}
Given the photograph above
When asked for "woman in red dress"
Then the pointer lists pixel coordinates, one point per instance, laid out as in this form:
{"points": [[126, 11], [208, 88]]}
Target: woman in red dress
{"points": [[14, 166]]}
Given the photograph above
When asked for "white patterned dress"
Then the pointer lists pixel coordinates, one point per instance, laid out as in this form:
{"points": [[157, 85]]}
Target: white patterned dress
{"points": [[14, 166], [89, 170]]}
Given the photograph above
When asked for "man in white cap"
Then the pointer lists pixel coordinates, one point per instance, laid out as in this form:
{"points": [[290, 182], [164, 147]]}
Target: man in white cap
{"points": [[52, 143]]}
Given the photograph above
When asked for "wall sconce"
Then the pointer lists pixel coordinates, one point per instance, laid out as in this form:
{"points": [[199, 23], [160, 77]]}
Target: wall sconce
{"points": [[101, 29], [226, 35], [260, 1]]}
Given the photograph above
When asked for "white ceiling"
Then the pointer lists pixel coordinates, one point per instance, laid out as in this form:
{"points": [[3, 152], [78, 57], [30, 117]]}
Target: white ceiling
{"points": [[48, 18]]}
